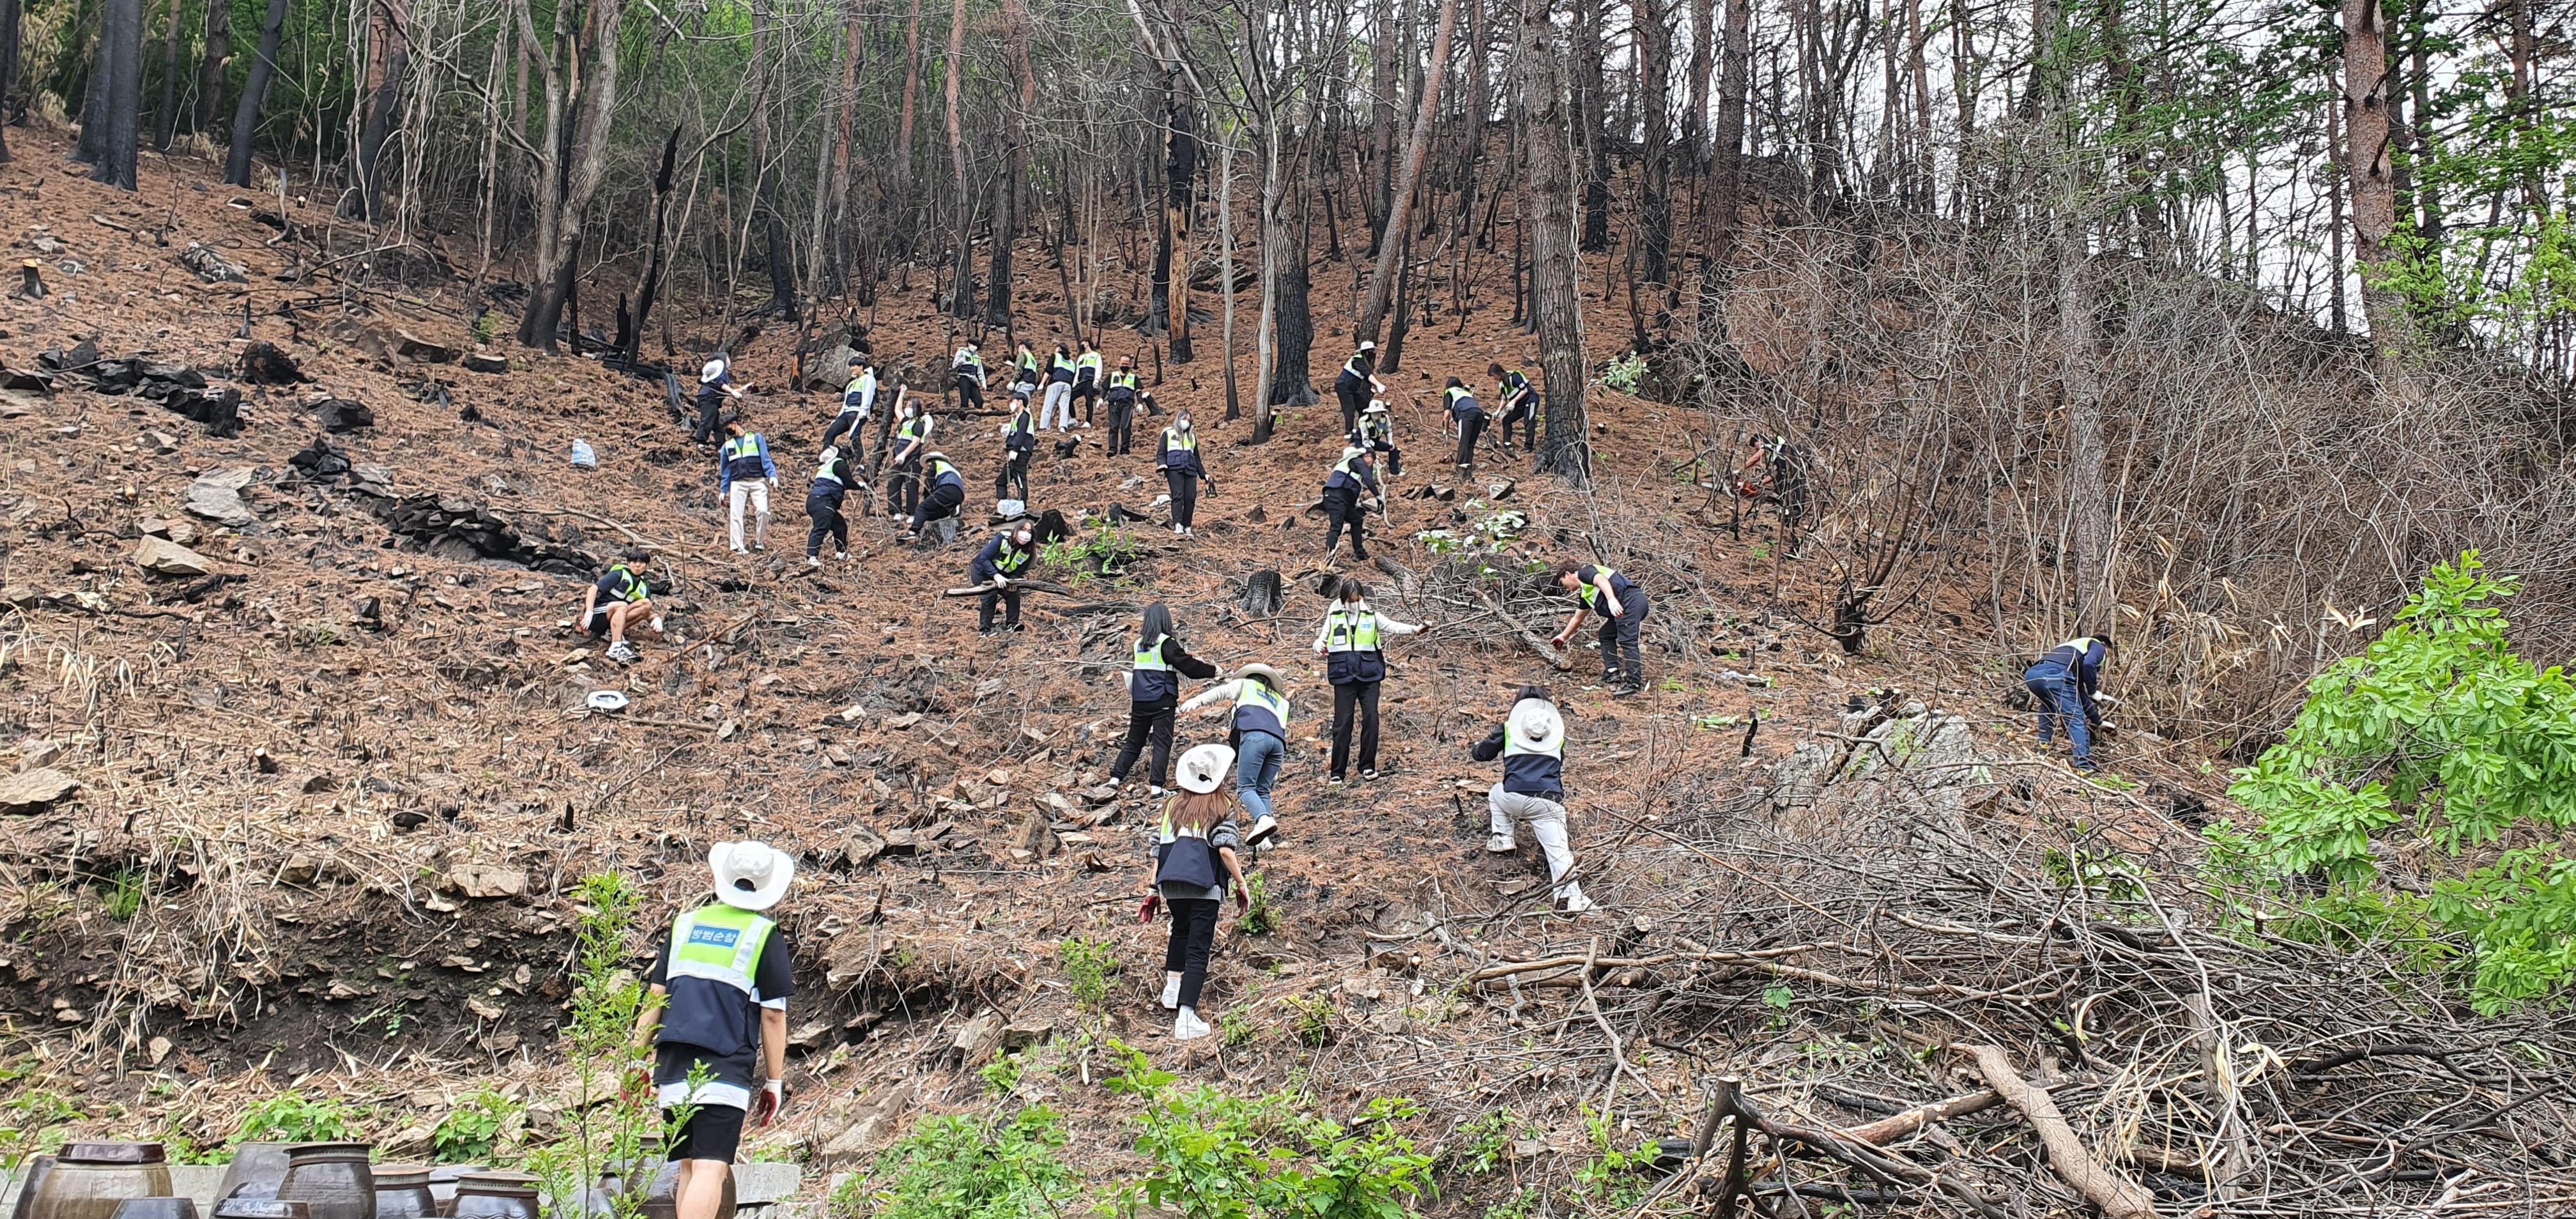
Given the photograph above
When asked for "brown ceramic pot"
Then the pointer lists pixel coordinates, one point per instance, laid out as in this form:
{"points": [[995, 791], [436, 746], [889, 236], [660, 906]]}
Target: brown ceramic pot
{"points": [[261, 1208], [255, 1171], [402, 1192], [37, 1167], [157, 1208], [90, 1180], [332, 1180], [495, 1195]]}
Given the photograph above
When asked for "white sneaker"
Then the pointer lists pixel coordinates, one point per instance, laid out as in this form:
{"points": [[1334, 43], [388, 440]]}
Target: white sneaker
{"points": [[1153, 791], [1575, 901], [813, 561], [841, 556], [621, 652], [1176, 531], [1502, 844], [740, 550], [1262, 829], [1189, 531], [1171, 990], [1188, 1027]]}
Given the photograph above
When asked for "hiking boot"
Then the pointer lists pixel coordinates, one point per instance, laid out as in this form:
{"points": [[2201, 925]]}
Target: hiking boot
{"points": [[1501, 844], [1187, 1026], [1153, 791], [1262, 829], [622, 653], [1630, 690], [1171, 990]]}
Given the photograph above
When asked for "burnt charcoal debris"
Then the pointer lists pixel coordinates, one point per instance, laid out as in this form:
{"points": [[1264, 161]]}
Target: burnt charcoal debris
{"points": [[454, 527], [177, 387], [263, 363], [341, 415], [321, 460]]}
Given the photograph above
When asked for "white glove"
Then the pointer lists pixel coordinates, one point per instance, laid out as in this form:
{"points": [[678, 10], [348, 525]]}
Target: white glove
{"points": [[773, 484], [1001, 581]]}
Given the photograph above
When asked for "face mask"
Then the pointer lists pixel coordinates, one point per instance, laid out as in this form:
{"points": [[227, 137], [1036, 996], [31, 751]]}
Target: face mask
{"points": [[1184, 425]]}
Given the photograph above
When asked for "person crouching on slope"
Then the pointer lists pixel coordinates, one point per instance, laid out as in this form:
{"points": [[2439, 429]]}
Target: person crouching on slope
{"points": [[1259, 704], [720, 1042], [620, 600], [1000, 562], [1195, 863], [1531, 743], [832, 482], [947, 490]]}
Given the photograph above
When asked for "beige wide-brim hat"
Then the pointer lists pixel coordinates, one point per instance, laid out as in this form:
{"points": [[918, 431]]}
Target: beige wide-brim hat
{"points": [[750, 875], [1262, 671], [1204, 768], [1537, 723]]}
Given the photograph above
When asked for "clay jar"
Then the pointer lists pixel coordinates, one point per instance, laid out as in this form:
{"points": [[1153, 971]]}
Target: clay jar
{"points": [[260, 1208], [402, 1192], [32, 1179], [332, 1180], [254, 1173], [157, 1208], [495, 1195], [89, 1180]]}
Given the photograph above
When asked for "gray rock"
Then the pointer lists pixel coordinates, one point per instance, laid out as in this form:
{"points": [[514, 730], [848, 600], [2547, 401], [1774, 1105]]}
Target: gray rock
{"points": [[216, 496], [163, 557], [35, 789]]}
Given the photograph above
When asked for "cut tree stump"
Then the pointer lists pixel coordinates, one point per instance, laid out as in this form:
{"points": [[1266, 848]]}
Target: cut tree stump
{"points": [[1263, 594]]}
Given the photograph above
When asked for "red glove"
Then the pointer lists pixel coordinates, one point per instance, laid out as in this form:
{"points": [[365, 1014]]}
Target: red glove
{"points": [[637, 1087], [1242, 902], [1145, 913], [765, 1107]]}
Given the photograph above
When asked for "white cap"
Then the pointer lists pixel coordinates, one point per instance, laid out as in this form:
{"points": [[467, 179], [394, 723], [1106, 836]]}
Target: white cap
{"points": [[1535, 722], [1262, 671], [1203, 768], [714, 368], [750, 875], [1368, 345]]}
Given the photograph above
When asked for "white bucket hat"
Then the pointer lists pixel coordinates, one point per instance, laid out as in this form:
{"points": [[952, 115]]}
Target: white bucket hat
{"points": [[750, 875], [1376, 406], [1368, 345], [1203, 768], [1535, 722], [1263, 671], [1351, 452], [714, 368]]}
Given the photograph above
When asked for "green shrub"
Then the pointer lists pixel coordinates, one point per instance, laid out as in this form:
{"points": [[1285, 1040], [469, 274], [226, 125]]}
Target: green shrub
{"points": [[969, 1166], [1216, 1156], [1258, 918], [1623, 373], [472, 1131], [125, 894], [2443, 742], [292, 1117], [1087, 965], [1106, 551]]}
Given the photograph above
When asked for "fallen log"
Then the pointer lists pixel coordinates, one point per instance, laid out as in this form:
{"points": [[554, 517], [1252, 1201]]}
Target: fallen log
{"points": [[1537, 643], [1034, 586], [2117, 1195], [1889, 1129]]}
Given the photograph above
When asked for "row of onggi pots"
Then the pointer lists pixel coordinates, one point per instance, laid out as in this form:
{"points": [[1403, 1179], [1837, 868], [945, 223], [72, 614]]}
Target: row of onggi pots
{"points": [[304, 1181]]}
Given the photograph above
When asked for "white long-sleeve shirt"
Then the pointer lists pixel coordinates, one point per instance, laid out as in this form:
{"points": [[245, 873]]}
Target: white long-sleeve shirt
{"points": [[1224, 691], [1387, 628]]}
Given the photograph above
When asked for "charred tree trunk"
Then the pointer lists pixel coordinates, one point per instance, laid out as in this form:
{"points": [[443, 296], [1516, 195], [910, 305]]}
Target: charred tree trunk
{"points": [[166, 114], [1591, 121], [1289, 385], [1726, 177], [580, 78], [1654, 192], [650, 289], [210, 70], [1006, 190], [1703, 62], [119, 81], [1548, 215], [13, 18], [782, 261], [1382, 77], [272, 28], [1408, 173], [899, 200], [1180, 179], [962, 292]]}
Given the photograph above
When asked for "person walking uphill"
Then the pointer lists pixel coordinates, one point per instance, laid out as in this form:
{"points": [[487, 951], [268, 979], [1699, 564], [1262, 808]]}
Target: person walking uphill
{"points": [[2066, 681], [1019, 444], [1179, 458], [1195, 863], [744, 471], [620, 600], [1153, 692], [1531, 743], [858, 405], [1259, 737], [1000, 562], [1622, 606], [1470, 417], [1353, 662], [947, 490], [715, 384], [720, 1041], [1357, 383], [1348, 493], [1086, 379], [1122, 407]]}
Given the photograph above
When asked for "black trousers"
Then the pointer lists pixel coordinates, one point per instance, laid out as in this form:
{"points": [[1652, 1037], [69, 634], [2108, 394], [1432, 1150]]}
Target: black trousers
{"points": [[1147, 722], [1394, 457], [1354, 396], [1185, 496], [1122, 426], [1618, 639], [710, 412], [1342, 508], [903, 491], [1086, 392], [847, 424], [1193, 937], [1015, 469], [1470, 429], [828, 521], [1526, 415], [940, 504], [1347, 697], [970, 393], [1003, 596]]}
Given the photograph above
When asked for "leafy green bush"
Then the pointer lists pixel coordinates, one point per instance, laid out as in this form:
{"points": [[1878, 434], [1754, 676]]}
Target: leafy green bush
{"points": [[292, 1117], [1087, 965], [472, 1131], [1258, 916], [1215, 1156], [1623, 373], [605, 1123], [1106, 551], [2439, 740], [969, 1166]]}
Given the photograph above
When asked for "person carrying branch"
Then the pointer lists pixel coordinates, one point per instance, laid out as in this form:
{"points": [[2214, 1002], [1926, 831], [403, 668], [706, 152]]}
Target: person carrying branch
{"points": [[1197, 859], [620, 600], [1259, 703], [719, 1041], [1531, 743], [968, 366], [1019, 444], [1179, 458], [744, 471], [945, 492], [1622, 606], [1376, 433], [1354, 663], [1469, 415], [715, 384], [1122, 408], [1349, 492], [1519, 401], [2067, 682], [912, 429], [1357, 383], [1086, 379], [1153, 693], [1000, 562], [832, 483]]}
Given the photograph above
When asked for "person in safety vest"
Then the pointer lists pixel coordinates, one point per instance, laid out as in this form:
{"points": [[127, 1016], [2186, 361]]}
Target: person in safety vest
{"points": [[720, 1041], [1469, 415], [744, 471], [1059, 390], [1183, 472], [1353, 662], [946, 491], [1153, 692], [1195, 863], [1019, 444], [1024, 368], [1357, 383], [715, 384], [618, 600], [1376, 433], [832, 481], [911, 439], [1622, 606], [1531, 743], [2067, 681], [1519, 400], [968, 365], [1086, 379], [997, 564], [1259, 704], [858, 405], [1122, 407], [1349, 492]]}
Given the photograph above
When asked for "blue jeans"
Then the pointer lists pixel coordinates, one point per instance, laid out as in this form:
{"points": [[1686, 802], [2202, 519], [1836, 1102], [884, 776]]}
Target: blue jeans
{"points": [[1256, 767], [2059, 698]]}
